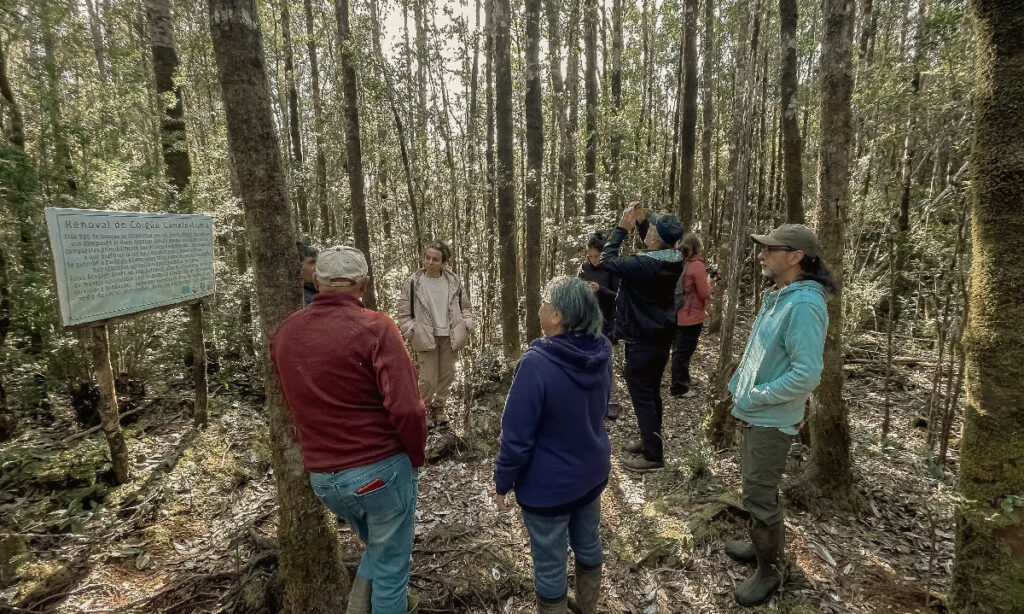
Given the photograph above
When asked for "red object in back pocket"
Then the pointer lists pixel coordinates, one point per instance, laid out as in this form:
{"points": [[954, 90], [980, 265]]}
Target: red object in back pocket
{"points": [[375, 484]]}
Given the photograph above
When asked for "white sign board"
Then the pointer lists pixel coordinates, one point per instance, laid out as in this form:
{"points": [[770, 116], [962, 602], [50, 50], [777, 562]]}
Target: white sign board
{"points": [[115, 263]]}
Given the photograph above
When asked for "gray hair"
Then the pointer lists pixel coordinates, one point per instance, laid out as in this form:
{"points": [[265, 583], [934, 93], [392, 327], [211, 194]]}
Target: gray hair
{"points": [[573, 298]]}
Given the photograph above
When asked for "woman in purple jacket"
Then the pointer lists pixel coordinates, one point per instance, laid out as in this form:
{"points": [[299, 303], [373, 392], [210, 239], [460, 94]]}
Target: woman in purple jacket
{"points": [[554, 450]]}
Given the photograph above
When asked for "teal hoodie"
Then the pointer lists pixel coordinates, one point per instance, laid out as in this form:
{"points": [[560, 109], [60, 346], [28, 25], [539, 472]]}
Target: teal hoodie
{"points": [[782, 364]]}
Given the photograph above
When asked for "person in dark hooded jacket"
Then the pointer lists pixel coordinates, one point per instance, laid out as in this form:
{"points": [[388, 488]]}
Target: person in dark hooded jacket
{"points": [[645, 318], [554, 449]]}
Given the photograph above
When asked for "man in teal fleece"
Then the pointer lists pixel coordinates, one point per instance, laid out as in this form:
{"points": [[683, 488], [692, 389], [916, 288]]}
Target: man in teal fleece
{"points": [[780, 368]]}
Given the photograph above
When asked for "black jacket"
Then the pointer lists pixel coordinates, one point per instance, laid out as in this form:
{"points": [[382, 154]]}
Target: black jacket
{"points": [[608, 286], [644, 310]]}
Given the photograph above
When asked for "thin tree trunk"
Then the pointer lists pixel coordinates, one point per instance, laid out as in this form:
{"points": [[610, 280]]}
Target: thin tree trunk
{"points": [[505, 180], [792, 143], [98, 46], [590, 84], [720, 429], [109, 420], [567, 163], [293, 122], [688, 138], [326, 218], [309, 553], [707, 110], [534, 167], [353, 148], [491, 193], [615, 142], [165, 64], [830, 473]]}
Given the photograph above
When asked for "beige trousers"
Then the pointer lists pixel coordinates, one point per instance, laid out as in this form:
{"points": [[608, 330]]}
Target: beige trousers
{"points": [[436, 373]]}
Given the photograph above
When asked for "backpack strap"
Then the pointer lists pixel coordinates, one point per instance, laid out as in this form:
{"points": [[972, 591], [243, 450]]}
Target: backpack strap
{"points": [[412, 299]]}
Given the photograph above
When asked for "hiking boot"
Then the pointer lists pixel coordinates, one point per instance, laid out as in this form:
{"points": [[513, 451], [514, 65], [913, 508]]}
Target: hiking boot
{"points": [[689, 393], [588, 587], [639, 464], [740, 551], [359, 596], [552, 606], [614, 409], [634, 447], [767, 544]]}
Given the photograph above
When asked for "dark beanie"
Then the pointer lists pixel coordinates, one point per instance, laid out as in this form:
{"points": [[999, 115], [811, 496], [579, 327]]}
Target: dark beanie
{"points": [[669, 228]]}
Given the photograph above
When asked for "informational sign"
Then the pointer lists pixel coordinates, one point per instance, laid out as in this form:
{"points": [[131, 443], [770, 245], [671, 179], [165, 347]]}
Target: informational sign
{"points": [[114, 263]]}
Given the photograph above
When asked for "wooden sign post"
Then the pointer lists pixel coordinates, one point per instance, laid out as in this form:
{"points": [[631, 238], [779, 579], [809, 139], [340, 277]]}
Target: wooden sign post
{"points": [[110, 265]]}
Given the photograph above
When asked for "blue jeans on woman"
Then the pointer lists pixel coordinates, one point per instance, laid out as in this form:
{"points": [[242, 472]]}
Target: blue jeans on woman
{"points": [[549, 538], [383, 517]]}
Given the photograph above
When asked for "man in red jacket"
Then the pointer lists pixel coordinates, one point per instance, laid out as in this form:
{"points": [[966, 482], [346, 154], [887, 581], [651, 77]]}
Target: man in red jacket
{"points": [[350, 386]]}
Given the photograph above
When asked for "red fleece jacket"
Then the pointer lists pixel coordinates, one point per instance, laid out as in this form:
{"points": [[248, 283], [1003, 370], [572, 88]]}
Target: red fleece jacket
{"points": [[350, 385]]}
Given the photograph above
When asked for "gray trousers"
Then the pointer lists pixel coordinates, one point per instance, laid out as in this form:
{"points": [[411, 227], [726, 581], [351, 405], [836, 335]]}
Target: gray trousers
{"points": [[763, 454]]}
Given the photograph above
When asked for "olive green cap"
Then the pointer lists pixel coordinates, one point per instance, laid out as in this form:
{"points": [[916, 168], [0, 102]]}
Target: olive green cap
{"points": [[793, 236]]}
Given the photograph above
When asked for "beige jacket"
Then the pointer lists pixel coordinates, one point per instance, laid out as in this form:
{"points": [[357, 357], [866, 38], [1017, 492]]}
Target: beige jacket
{"points": [[417, 323]]}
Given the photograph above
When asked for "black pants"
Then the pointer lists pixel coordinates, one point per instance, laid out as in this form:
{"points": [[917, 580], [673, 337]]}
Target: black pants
{"points": [[683, 347], [645, 365]]}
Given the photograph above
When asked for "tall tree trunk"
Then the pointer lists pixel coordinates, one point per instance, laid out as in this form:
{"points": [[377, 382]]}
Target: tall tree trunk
{"points": [[590, 84], [353, 147], [829, 473], [490, 204], [8, 421], [567, 163], [177, 166], [707, 110], [14, 130], [534, 167], [558, 98], [506, 180], [326, 218], [309, 553], [688, 137], [615, 142], [62, 152], [720, 428], [98, 46], [792, 145], [988, 573], [293, 121]]}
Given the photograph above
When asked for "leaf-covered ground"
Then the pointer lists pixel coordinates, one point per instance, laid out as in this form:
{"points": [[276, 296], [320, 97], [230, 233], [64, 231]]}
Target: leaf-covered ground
{"points": [[195, 531]]}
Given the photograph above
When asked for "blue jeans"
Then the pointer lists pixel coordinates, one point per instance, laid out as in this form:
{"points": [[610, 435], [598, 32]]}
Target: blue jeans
{"points": [[548, 540], [384, 520]]}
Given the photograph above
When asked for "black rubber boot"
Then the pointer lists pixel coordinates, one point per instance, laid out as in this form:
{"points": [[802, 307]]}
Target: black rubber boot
{"points": [[546, 605], [768, 545], [741, 552], [588, 587]]}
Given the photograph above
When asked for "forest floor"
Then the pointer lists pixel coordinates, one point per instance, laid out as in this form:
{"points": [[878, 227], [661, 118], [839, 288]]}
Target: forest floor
{"points": [[194, 531]]}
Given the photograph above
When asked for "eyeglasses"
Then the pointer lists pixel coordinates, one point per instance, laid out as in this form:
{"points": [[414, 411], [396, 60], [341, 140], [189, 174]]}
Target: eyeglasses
{"points": [[776, 248]]}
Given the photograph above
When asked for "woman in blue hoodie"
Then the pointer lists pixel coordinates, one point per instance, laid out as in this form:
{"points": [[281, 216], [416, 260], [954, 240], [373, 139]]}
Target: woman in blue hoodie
{"points": [[554, 449]]}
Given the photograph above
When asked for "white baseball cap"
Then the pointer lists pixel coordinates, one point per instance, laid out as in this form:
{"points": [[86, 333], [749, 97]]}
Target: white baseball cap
{"points": [[340, 266]]}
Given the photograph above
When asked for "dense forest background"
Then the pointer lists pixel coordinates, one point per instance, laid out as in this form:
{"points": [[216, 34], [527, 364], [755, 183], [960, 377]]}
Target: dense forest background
{"points": [[512, 131]]}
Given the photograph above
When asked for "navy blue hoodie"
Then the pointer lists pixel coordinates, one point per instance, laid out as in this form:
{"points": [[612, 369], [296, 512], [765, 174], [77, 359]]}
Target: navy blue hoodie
{"points": [[554, 447]]}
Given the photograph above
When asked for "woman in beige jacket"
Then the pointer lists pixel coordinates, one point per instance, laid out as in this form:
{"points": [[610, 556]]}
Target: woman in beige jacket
{"points": [[435, 316]]}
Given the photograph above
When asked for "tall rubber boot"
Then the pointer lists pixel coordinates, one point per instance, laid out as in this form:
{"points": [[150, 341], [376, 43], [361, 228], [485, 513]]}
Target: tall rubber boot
{"points": [[359, 596], [768, 545], [588, 587], [741, 552], [546, 605]]}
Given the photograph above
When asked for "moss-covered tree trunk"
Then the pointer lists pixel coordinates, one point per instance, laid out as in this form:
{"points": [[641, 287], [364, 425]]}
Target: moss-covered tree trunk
{"points": [[567, 161], [830, 473], [505, 179], [326, 216], [792, 145], [310, 562], [988, 574], [353, 147], [172, 120], [534, 167], [590, 86]]}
